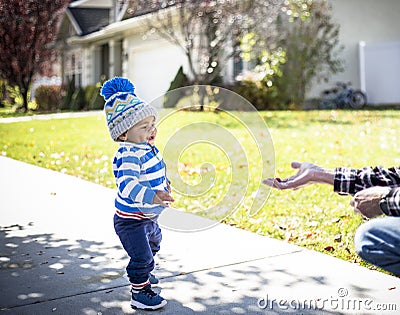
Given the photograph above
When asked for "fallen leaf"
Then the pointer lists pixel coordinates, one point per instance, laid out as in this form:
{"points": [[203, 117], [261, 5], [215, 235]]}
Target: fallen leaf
{"points": [[392, 288], [288, 236], [308, 235], [329, 248]]}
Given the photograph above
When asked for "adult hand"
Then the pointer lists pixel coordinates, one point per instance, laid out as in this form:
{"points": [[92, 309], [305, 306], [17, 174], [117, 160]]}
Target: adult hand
{"points": [[162, 198], [366, 201], [308, 174]]}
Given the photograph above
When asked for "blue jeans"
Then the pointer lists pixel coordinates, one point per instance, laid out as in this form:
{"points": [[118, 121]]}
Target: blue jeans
{"points": [[378, 242], [141, 240]]}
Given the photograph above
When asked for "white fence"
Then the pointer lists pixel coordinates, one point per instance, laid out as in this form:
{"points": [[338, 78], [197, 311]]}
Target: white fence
{"points": [[380, 72]]}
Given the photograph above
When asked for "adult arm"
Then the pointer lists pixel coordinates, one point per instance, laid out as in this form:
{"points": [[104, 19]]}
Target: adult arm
{"points": [[349, 181], [375, 190], [390, 204], [307, 174]]}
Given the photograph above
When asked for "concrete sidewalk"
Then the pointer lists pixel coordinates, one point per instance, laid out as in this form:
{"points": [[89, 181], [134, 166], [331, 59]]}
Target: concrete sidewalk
{"points": [[10, 120], [60, 255]]}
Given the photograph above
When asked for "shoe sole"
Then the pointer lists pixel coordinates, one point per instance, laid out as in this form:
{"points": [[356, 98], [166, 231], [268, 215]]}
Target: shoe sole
{"points": [[140, 306]]}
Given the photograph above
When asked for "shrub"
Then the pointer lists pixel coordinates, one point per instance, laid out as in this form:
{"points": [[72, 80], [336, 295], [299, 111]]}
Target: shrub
{"points": [[10, 96], [49, 97], [93, 98], [78, 101], [70, 89], [263, 96], [255, 92], [3, 94], [97, 102], [180, 80]]}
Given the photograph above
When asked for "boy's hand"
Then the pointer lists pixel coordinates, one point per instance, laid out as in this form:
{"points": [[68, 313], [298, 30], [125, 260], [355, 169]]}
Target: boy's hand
{"points": [[162, 197], [169, 187]]}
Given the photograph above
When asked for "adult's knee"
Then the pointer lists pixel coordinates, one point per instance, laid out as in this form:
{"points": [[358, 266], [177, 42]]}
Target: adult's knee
{"points": [[377, 238], [365, 239]]}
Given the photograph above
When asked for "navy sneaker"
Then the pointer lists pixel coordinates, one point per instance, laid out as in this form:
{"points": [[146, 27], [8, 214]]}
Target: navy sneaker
{"points": [[153, 280], [146, 299]]}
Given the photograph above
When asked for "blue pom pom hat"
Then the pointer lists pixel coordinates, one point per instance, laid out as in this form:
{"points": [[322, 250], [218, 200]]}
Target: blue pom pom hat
{"points": [[123, 108]]}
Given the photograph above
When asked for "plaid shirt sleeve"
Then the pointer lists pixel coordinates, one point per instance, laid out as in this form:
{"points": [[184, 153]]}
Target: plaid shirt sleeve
{"points": [[349, 181], [392, 200]]}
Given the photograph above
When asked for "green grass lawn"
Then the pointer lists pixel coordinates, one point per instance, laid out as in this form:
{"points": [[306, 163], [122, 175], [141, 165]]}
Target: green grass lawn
{"points": [[312, 217]]}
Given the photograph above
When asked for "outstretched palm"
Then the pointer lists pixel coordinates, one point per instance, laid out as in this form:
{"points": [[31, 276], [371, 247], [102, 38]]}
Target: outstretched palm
{"points": [[307, 174]]}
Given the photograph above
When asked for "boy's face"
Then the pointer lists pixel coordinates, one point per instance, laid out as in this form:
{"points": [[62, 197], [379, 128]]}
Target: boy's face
{"points": [[143, 131]]}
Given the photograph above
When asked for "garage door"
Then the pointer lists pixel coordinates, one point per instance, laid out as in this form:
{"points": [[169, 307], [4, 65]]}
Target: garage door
{"points": [[153, 68]]}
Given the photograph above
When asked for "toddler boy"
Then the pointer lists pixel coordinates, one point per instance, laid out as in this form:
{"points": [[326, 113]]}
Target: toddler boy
{"points": [[140, 175]]}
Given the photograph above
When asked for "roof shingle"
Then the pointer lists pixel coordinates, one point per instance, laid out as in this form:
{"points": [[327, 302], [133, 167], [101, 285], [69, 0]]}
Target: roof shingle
{"points": [[90, 19]]}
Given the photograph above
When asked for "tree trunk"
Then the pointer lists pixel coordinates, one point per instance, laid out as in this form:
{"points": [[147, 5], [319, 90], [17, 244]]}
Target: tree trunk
{"points": [[24, 93], [191, 67]]}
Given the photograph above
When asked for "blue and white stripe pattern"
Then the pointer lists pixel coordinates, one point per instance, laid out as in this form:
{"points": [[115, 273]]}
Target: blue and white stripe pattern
{"points": [[139, 172]]}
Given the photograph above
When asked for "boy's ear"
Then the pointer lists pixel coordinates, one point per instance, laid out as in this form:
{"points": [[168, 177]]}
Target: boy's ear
{"points": [[122, 137]]}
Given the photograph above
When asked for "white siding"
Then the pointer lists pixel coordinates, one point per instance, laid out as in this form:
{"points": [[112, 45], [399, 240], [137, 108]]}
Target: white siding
{"points": [[382, 72], [152, 65], [370, 21]]}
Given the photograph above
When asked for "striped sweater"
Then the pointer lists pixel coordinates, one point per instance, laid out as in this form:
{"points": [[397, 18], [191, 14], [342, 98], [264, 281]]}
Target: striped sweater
{"points": [[139, 172]]}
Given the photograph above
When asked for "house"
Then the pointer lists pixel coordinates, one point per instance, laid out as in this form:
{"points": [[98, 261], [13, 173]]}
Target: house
{"points": [[371, 40], [102, 38]]}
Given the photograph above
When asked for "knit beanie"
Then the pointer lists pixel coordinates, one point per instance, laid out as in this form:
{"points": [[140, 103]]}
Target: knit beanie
{"points": [[122, 107]]}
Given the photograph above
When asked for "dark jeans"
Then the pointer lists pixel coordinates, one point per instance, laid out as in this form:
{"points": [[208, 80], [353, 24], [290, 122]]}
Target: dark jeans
{"points": [[378, 242], [141, 240]]}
